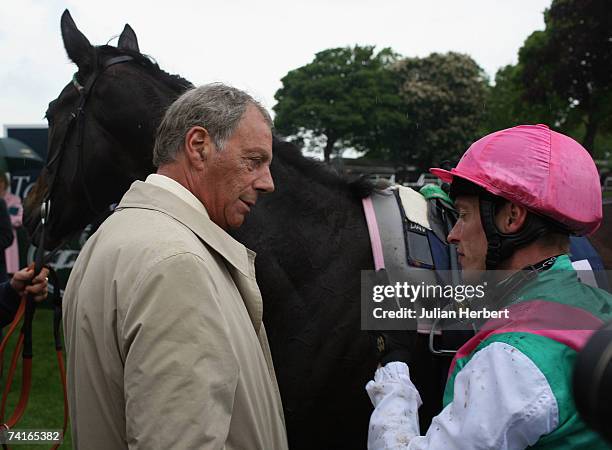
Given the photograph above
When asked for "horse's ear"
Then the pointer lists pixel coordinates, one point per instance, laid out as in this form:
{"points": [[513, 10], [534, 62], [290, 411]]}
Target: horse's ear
{"points": [[127, 39], [79, 50]]}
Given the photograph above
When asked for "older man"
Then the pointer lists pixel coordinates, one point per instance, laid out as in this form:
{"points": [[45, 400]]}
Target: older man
{"points": [[162, 313], [520, 193]]}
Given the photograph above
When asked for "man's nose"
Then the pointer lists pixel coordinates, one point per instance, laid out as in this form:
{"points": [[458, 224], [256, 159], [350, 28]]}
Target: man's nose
{"points": [[264, 183]]}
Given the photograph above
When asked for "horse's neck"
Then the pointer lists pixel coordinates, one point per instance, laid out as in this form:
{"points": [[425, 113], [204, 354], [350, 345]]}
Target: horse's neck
{"points": [[138, 147], [308, 226]]}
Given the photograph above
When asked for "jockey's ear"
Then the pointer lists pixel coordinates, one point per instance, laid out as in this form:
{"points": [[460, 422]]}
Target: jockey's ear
{"points": [[128, 40], [510, 218], [79, 50]]}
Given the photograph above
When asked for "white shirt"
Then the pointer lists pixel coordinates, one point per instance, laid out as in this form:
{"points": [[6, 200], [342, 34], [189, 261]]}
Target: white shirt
{"points": [[177, 189]]}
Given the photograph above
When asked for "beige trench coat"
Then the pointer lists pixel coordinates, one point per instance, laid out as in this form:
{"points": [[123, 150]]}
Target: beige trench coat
{"points": [[165, 343]]}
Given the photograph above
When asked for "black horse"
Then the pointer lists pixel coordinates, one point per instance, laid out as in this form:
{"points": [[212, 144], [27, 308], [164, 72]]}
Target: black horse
{"points": [[310, 236]]}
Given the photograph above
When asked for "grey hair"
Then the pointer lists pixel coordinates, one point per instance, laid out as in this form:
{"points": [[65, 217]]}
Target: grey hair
{"points": [[216, 107]]}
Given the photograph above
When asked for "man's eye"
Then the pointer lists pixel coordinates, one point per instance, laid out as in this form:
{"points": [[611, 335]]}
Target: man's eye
{"points": [[255, 162]]}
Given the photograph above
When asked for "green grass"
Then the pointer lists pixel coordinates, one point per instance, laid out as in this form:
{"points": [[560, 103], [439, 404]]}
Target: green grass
{"points": [[607, 194], [45, 408]]}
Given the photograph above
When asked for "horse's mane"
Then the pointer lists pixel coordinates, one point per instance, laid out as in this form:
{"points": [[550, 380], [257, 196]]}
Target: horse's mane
{"points": [[147, 62], [318, 171]]}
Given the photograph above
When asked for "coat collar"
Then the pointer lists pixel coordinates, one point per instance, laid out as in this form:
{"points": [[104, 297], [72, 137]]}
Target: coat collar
{"points": [[148, 196]]}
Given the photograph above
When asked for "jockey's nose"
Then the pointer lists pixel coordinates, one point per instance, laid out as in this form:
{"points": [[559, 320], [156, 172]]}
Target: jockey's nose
{"points": [[453, 235]]}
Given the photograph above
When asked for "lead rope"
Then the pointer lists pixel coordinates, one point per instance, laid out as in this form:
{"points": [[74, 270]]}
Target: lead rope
{"points": [[26, 311]]}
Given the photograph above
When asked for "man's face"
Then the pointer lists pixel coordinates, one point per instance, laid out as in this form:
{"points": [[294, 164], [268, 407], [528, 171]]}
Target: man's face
{"points": [[468, 235], [235, 176]]}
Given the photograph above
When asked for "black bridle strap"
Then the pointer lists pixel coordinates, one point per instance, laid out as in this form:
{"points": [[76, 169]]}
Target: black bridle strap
{"points": [[78, 118], [84, 93], [81, 125]]}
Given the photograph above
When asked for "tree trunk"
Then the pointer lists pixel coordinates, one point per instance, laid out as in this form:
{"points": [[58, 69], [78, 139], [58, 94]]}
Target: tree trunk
{"points": [[591, 131]]}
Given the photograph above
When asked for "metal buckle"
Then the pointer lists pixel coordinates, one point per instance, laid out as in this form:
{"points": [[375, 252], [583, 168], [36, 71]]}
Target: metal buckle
{"points": [[45, 210], [432, 349]]}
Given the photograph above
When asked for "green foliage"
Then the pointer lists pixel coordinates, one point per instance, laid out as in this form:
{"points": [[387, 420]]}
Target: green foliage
{"points": [[444, 96], [507, 106], [567, 68], [414, 111], [503, 105], [345, 95]]}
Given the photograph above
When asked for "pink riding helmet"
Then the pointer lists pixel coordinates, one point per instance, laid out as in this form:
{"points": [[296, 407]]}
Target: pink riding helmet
{"points": [[540, 169]]}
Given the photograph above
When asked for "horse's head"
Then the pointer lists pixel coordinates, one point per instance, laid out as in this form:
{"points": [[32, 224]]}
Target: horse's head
{"points": [[101, 131]]}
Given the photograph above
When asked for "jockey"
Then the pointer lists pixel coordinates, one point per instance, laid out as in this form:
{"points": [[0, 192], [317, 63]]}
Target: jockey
{"points": [[520, 193]]}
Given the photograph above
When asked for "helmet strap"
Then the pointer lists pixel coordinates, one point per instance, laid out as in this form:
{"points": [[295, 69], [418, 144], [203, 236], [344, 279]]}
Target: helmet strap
{"points": [[500, 246]]}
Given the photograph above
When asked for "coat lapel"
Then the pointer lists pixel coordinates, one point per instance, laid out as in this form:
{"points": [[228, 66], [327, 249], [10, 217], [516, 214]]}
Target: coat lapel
{"points": [[239, 260]]}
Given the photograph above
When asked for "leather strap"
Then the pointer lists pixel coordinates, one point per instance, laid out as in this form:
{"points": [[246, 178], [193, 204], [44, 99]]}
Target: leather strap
{"points": [[377, 252]]}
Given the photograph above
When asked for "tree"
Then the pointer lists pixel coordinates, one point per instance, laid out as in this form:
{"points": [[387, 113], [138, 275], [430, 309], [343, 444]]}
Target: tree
{"points": [[444, 98], [506, 104], [568, 66], [345, 95]]}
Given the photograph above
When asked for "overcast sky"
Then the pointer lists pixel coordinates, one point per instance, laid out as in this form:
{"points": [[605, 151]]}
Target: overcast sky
{"points": [[250, 44]]}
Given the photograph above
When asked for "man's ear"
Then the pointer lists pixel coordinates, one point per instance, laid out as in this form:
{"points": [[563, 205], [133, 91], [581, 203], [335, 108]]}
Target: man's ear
{"points": [[511, 218], [198, 146]]}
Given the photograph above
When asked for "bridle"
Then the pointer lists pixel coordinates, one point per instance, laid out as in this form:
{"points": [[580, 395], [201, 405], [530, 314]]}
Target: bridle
{"points": [[77, 119], [27, 305]]}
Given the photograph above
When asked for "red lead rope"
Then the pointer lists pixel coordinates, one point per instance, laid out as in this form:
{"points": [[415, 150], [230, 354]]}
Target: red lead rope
{"points": [[60, 362], [26, 377], [11, 330]]}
